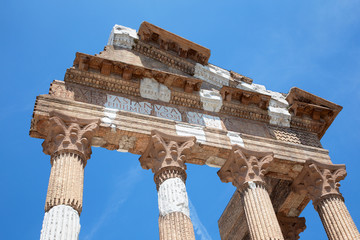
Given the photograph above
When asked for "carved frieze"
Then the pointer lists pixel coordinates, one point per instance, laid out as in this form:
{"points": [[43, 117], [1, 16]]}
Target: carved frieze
{"points": [[165, 57], [295, 136], [318, 180], [84, 62], [170, 42], [245, 166]]}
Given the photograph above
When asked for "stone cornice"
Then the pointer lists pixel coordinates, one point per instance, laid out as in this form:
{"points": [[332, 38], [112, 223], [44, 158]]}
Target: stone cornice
{"points": [[237, 77], [306, 105], [128, 72], [166, 150], [245, 166], [318, 180], [172, 42], [245, 97], [164, 57], [69, 134]]}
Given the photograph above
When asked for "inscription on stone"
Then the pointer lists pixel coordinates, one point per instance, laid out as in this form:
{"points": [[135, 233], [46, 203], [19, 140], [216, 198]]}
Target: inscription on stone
{"points": [[167, 112], [204, 120]]}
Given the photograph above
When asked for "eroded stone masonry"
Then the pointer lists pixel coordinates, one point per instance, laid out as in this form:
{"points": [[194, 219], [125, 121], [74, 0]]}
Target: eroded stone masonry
{"points": [[153, 93]]}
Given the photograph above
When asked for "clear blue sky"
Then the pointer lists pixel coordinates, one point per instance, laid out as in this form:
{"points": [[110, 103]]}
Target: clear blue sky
{"points": [[314, 45]]}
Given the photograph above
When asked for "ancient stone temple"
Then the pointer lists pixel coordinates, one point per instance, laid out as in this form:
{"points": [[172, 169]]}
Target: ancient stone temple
{"points": [[155, 94]]}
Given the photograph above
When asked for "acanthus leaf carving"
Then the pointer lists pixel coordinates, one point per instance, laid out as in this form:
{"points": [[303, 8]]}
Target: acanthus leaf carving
{"points": [[69, 134], [318, 180], [245, 166], [166, 150]]}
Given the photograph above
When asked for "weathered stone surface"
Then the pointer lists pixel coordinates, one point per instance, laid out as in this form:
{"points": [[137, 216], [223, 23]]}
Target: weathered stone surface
{"points": [[61, 222], [158, 80], [246, 170], [321, 183], [169, 41], [291, 227]]}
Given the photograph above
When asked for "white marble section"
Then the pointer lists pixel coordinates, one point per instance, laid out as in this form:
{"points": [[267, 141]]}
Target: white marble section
{"points": [[172, 197], [151, 89], [278, 106], [122, 37], [192, 131], [204, 120], [212, 74], [235, 139], [61, 223], [211, 99]]}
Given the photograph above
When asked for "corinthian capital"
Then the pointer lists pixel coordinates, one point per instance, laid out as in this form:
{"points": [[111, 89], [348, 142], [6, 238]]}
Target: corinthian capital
{"points": [[70, 134], [319, 179], [166, 150], [244, 166]]}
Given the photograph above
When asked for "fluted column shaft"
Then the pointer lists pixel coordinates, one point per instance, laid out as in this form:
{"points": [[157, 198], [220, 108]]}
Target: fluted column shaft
{"points": [[174, 214], [68, 144], [259, 212], [66, 181], [320, 182], [336, 219], [246, 170], [166, 155]]}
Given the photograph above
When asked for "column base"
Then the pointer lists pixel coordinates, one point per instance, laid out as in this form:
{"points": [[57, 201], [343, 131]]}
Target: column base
{"points": [[61, 222]]}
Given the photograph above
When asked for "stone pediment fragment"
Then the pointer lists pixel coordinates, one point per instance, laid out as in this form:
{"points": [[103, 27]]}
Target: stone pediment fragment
{"points": [[171, 42]]}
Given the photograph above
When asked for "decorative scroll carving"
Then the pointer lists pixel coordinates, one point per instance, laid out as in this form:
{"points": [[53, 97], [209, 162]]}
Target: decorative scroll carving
{"points": [[170, 42], [166, 150], [237, 77], [291, 227], [69, 134], [245, 97], [129, 72], [319, 179], [245, 166]]}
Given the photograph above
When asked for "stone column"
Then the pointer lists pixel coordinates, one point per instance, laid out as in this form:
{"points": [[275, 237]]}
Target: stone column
{"points": [[68, 144], [246, 170], [321, 184], [166, 156], [291, 227]]}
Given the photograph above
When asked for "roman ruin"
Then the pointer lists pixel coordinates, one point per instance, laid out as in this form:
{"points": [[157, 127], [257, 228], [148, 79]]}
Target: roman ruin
{"points": [[153, 93]]}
